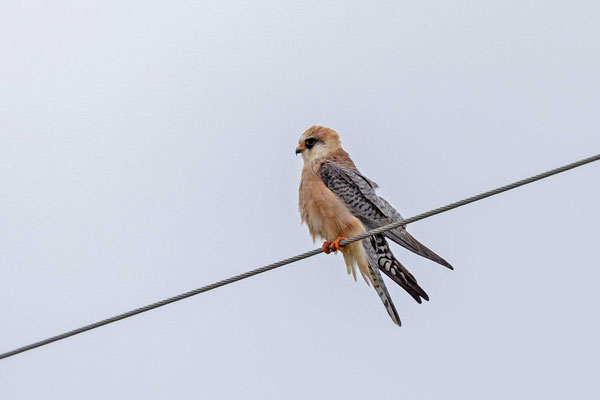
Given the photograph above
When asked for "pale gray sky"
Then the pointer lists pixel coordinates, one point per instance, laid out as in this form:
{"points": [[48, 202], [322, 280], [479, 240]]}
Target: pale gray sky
{"points": [[148, 149]]}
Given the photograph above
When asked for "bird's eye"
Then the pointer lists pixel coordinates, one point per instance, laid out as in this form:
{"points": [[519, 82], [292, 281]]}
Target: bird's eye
{"points": [[310, 142]]}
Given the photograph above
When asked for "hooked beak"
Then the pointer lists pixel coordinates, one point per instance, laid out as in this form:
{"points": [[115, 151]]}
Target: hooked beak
{"points": [[299, 149]]}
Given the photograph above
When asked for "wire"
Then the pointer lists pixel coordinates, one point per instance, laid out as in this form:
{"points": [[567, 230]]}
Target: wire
{"points": [[471, 199], [298, 257]]}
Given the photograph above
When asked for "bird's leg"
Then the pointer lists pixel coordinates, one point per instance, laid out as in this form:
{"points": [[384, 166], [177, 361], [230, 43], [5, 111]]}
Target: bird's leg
{"points": [[328, 247]]}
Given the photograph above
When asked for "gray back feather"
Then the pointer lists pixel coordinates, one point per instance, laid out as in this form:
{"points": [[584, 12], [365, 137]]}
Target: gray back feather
{"points": [[358, 193]]}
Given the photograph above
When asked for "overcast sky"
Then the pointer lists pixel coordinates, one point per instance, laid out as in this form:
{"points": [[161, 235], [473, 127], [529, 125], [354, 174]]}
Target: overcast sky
{"points": [[147, 149]]}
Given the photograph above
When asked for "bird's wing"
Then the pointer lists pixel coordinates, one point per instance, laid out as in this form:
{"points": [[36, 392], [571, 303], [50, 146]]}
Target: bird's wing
{"points": [[358, 193]]}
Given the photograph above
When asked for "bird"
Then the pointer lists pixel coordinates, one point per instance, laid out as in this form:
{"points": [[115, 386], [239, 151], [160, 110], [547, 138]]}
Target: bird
{"points": [[337, 201]]}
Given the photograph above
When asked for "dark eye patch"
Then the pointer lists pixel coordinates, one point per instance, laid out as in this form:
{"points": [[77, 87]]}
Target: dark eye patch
{"points": [[310, 142]]}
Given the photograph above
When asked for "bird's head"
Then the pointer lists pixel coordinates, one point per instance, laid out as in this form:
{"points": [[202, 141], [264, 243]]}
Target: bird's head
{"points": [[318, 142]]}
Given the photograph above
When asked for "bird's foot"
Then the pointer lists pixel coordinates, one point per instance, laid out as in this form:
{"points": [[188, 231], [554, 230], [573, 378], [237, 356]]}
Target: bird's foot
{"points": [[328, 247]]}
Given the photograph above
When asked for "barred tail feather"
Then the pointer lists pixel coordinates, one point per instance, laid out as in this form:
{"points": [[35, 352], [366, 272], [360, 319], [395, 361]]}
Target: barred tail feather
{"points": [[382, 291], [356, 254], [382, 256]]}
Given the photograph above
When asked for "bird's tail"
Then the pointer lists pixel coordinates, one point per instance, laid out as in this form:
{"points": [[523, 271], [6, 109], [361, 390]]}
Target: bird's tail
{"points": [[383, 293], [380, 255], [357, 254]]}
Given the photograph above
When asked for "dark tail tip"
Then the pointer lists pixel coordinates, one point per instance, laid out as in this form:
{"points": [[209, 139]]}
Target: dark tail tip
{"points": [[440, 260]]}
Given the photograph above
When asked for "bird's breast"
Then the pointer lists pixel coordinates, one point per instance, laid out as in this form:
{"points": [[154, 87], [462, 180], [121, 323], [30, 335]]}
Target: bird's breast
{"points": [[324, 213]]}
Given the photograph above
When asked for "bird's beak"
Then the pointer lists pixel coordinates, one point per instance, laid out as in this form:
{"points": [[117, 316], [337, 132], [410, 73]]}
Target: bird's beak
{"points": [[299, 149]]}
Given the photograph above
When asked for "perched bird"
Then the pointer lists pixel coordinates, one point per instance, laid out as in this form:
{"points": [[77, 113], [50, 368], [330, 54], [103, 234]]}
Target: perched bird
{"points": [[336, 201]]}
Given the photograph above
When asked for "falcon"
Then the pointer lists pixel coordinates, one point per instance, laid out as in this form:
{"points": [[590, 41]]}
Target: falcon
{"points": [[336, 201]]}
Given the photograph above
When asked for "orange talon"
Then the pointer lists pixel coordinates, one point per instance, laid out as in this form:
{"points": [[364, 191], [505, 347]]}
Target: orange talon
{"points": [[328, 247], [335, 245]]}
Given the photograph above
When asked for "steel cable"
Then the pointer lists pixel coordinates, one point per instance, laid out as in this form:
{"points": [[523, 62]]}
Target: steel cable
{"points": [[299, 257]]}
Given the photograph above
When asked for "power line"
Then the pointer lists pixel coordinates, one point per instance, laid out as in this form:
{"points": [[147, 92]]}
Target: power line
{"points": [[299, 257], [471, 199]]}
